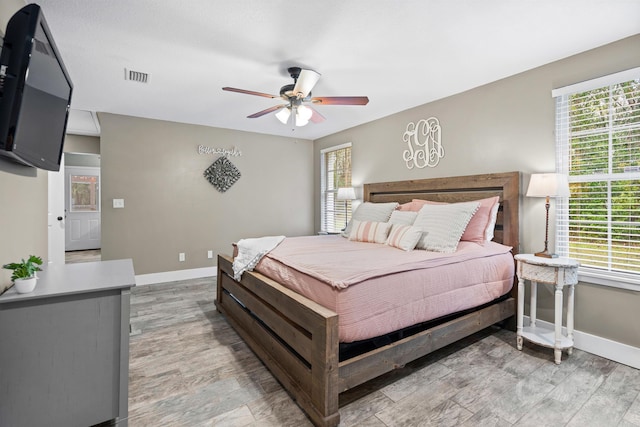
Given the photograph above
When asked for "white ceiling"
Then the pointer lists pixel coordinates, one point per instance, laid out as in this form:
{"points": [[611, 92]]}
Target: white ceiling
{"points": [[400, 53]]}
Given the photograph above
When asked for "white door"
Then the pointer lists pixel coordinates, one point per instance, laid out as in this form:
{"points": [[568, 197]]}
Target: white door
{"points": [[55, 216], [82, 200]]}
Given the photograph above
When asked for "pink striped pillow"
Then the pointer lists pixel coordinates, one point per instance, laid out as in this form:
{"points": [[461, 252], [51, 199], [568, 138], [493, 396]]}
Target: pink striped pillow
{"points": [[369, 231], [404, 237]]}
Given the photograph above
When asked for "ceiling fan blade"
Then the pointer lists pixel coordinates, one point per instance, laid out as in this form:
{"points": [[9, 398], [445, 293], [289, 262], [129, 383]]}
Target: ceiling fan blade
{"points": [[250, 92], [267, 111], [316, 117], [306, 81], [340, 100]]}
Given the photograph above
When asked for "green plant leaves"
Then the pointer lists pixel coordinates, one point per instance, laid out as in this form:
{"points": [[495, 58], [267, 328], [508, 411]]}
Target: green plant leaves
{"points": [[24, 269]]}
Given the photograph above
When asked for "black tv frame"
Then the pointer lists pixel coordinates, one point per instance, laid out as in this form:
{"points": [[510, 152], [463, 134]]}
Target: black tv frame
{"points": [[23, 127]]}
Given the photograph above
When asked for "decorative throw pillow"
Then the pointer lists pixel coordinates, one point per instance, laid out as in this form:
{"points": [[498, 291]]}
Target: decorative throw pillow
{"points": [[404, 236], [369, 231], [480, 226], [419, 203], [403, 217], [476, 229], [368, 211], [415, 205], [406, 207], [444, 225]]}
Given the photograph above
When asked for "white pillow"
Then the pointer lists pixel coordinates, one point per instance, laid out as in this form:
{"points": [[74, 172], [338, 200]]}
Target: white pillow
{"points": [[367, 211], [404, 236], [369, 231], [444, 225], [403, 217]]}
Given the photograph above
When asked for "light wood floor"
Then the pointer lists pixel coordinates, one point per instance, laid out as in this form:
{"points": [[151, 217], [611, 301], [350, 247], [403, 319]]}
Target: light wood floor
{"points": [[189, 368], [89, 255]]}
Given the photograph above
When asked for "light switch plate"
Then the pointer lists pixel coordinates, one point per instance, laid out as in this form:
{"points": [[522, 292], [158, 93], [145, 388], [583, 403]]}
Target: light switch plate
{"points": [[118, 203]]}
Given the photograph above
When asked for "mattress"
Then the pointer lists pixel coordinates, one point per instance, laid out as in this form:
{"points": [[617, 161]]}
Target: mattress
{"points": [[376, 289]]}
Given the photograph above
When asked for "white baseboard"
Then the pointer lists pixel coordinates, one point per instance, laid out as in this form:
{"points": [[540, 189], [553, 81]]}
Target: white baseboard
{"points": [[172, 276], [604, 347]]}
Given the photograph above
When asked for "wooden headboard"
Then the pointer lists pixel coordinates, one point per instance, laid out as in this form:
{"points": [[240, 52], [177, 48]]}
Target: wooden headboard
{"points": [[460, 189]]}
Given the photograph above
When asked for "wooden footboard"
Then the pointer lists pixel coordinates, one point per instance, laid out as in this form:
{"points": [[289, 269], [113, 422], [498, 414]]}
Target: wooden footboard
{"points": [[294, 337]]}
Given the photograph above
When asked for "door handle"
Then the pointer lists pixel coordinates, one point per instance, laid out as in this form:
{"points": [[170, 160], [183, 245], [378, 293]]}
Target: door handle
{"points": [[59, 218]]}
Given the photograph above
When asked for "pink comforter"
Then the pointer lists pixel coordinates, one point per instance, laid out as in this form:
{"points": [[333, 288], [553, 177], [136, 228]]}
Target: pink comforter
{"points": [[377, 289], [341, 263]]}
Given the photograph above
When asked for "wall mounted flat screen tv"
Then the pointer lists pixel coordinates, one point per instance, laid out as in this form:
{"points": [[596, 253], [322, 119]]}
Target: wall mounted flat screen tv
{"points": [[35, 92]]}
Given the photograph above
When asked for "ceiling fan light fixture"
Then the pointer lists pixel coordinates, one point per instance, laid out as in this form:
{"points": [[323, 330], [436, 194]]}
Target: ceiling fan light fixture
{"points": [[303, 114], [301, 122], [283, 115], [295, 95]]}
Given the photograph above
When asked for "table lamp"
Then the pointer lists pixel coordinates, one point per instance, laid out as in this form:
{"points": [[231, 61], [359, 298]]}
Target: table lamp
{"points": [[346, 193], [548, 185]]}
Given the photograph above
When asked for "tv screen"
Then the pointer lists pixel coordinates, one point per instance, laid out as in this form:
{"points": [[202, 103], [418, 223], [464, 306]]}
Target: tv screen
{"points": [[35, 92]]}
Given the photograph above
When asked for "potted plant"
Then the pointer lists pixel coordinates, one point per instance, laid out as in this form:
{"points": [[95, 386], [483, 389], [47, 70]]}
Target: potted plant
{"points": [[24, 273]]}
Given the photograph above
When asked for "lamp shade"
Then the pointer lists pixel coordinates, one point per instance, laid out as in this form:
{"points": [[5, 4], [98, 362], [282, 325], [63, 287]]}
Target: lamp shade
{"points": [[346, 193], [283, 115], [304, 112], [301, 115], [548, 185]]}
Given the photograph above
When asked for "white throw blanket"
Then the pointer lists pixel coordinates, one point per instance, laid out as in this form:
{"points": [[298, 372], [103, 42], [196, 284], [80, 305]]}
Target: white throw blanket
{"points": [[251, 251]]}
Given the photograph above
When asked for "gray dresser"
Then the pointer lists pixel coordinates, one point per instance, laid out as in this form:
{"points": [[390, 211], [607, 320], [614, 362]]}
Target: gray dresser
{"points": [[64, 348]]}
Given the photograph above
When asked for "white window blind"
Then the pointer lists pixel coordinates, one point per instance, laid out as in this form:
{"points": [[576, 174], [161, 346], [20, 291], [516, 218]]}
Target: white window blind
{"points": [[598, 147], [335, 173]]}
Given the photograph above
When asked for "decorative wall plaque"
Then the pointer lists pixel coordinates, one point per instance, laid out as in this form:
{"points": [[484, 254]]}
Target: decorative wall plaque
{"points": [[222, 174], [222, 151], [423, 142]]}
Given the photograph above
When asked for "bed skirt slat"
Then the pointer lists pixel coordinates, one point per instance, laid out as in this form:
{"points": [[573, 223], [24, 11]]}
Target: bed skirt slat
{"points": [[297, 338], [267, 343]]}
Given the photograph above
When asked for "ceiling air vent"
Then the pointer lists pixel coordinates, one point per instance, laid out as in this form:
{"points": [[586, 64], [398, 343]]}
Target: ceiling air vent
{"points": [[136, 76]]}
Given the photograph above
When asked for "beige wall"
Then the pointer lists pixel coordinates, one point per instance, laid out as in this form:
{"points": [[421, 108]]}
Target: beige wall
{"points": [[170, 207], [23, 198], [504, 126], [82, 144]]}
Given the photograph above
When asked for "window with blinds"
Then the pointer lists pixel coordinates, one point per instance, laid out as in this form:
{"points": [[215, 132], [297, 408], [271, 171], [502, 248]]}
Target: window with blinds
{"points": [[598, 147], [335, 173]]}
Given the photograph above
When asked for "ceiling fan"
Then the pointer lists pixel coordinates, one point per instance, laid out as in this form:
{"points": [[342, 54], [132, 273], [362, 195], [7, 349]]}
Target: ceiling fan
{"points": [[296, 95]]}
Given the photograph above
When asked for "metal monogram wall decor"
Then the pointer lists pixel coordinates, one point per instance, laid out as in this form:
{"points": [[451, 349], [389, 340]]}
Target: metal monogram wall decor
{"points": [[222, 174], [424, 147]]}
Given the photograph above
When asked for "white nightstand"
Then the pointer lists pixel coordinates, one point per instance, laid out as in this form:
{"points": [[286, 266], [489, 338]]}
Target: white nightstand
{"points": [[559, 272]]}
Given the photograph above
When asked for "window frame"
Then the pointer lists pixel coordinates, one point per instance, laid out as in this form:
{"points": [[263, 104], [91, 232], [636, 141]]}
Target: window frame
{"points": [[95, 192], [324, 227], [599, 276]]}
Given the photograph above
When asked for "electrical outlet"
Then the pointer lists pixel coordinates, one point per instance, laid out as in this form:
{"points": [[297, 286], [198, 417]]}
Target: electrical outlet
{"points": [[209, 254], [181, 256]]}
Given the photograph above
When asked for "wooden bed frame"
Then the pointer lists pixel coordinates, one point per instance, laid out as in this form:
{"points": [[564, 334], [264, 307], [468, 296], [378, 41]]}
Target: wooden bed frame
{"points": [[297, 339]]}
